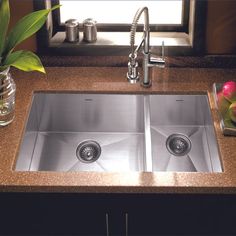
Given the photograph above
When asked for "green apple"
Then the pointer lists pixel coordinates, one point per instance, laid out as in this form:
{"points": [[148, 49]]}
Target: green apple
{"points": [[223, 103], [232, 112]]}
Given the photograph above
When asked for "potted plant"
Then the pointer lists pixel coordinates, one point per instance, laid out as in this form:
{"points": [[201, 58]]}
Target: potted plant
{"points": [[23, 60]]}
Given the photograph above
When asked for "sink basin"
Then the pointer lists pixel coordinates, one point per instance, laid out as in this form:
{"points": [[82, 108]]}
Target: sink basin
{"points": [[66, 131], [119, 132], [182, 134]]}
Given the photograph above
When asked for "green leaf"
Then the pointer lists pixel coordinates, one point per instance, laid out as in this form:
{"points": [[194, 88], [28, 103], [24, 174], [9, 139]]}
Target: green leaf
{"points": [[55, 7], [2, 68], [4, 21], [25, 28], [25, 60]]}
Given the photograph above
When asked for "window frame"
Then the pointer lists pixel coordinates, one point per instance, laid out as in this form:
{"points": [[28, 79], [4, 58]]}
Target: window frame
{"points": [[191, 30]]}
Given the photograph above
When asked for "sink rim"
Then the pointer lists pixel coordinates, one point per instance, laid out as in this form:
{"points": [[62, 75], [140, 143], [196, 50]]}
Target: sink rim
{"points": [[136, 93]]}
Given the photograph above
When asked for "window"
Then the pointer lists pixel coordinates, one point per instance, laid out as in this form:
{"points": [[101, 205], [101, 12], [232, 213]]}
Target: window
{"points": [[173, 21], [113, 12], [171, 15], [120, 12]]}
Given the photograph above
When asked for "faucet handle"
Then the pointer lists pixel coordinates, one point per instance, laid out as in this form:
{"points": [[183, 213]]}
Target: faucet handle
{"points": [[163, 50], [158, 61]]}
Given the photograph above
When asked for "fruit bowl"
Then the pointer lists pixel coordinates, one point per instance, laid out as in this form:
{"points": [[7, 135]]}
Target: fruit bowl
{"points": [[222, 104]]}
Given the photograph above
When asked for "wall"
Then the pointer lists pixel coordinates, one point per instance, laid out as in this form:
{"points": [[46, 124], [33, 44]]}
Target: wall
{"points": [[18, 9], [221, 25]]}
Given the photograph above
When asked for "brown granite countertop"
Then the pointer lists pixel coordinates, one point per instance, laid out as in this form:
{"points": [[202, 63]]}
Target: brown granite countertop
{"points": [[112, 80]]}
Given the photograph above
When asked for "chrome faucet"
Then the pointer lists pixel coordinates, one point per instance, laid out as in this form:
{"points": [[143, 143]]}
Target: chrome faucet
{"points": [[148, 60]]}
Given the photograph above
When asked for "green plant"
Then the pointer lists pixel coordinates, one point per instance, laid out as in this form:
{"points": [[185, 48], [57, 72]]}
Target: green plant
{"points": [[24, 28]]}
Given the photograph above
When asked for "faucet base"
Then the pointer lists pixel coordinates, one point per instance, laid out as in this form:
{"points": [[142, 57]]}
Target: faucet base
{"points": [[146, 85], [133, 80]]}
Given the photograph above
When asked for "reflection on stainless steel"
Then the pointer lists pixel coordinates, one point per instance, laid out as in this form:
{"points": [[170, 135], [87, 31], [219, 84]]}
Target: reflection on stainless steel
{"points": [[90, 30], [58, 123], [117, 133], [187, 118], [72, 30]]}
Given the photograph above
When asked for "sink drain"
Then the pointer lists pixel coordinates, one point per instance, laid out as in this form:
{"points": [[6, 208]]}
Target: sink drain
{"points": [[178, 144], [88, 151]]}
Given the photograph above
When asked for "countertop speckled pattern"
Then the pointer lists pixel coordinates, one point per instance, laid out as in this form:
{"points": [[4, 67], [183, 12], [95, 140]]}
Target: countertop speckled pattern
{"points": [[112, 80]]}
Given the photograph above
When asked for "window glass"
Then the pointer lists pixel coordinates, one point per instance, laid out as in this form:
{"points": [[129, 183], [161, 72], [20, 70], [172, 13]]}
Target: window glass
{"points": [[122, 12]]}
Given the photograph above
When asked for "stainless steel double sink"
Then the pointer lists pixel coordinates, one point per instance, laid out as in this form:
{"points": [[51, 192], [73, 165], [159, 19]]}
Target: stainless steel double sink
{"points": [[119, 132]]}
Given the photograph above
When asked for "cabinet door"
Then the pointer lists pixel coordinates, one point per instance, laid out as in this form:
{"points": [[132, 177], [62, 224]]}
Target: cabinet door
{"points": [[86, 214], [51, 214], [175, 215]]}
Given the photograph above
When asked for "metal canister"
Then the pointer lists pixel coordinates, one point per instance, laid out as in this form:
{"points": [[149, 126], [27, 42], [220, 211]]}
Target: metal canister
{"points": [[72, 30], [90, 30]]}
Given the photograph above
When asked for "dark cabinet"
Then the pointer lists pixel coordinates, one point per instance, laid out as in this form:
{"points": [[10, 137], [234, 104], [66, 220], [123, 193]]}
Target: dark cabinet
{"points": [[51, 214], [116, 214], [175, 215]]}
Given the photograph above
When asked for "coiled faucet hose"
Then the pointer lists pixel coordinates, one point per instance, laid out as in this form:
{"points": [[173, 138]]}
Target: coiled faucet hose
{"points": [[134, 26]]}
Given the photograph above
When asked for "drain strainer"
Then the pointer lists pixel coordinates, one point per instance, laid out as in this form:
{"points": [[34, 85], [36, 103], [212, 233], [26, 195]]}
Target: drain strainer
{"points": [[178, 144], [88, 151]]}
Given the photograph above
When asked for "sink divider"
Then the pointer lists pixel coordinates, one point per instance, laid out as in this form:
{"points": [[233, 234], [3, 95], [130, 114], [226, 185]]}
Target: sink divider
{"points": [[148, 143]]}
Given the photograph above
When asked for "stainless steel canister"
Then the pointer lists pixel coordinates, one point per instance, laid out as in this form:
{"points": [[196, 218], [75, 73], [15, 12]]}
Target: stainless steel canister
{"points": [[72, 30], [90, 30]]}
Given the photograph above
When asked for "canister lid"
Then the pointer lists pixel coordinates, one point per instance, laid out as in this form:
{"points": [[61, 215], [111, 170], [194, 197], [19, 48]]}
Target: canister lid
{"points": [[89, 22], [71, 23]]}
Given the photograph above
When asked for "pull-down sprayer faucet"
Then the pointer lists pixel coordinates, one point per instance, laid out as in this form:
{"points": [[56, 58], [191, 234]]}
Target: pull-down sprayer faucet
{"points": [[148, 61]]}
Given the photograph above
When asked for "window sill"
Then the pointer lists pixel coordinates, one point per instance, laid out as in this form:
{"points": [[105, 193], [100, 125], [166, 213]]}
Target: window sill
{"points": [[117, 43]]}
